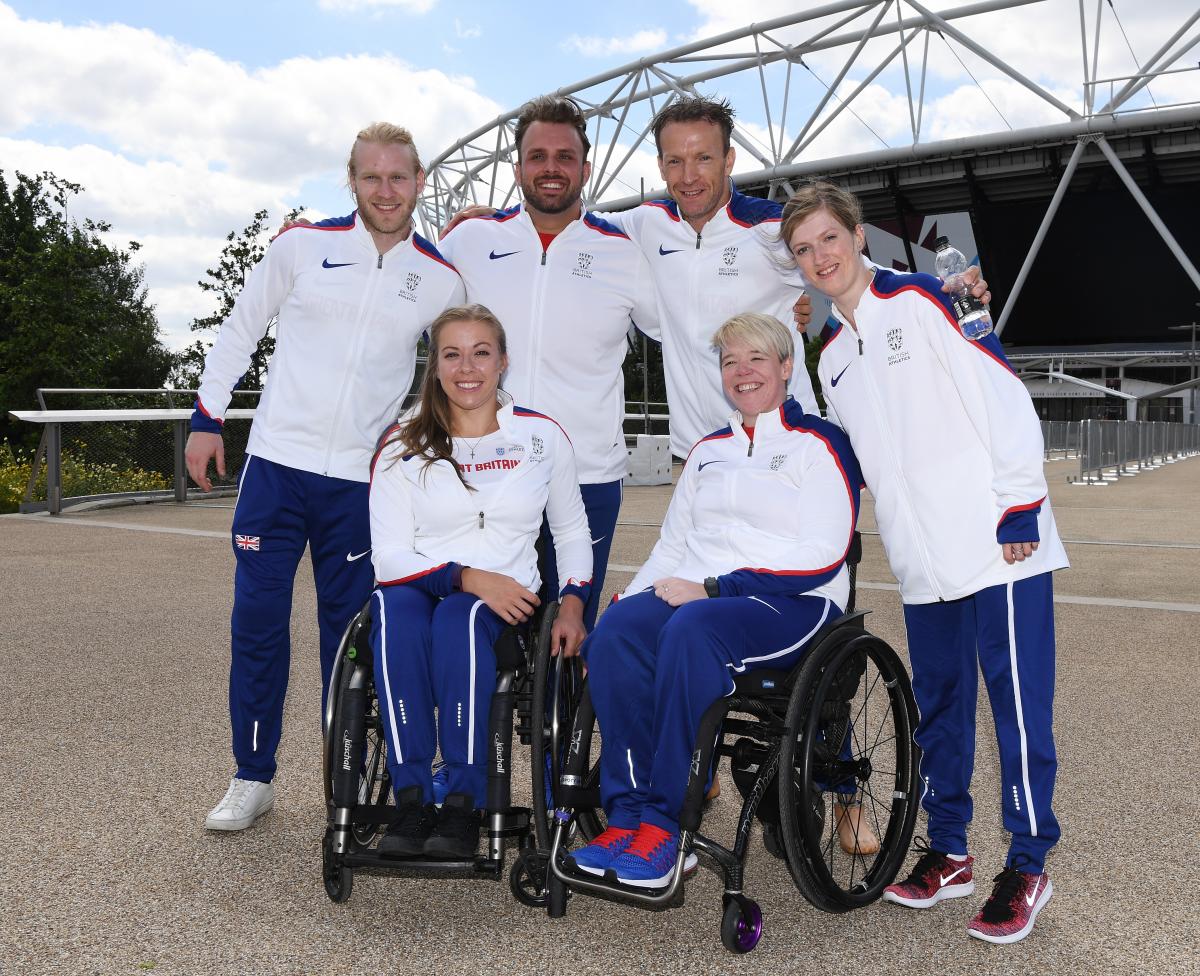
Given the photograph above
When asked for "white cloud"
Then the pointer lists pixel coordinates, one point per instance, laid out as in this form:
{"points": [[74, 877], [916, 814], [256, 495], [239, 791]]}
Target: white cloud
{"points": [[352, 6], [180, 146], [467, 31], [641, 42]]}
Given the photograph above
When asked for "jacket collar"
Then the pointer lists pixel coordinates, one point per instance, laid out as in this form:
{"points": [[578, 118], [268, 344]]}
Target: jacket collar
{"points": [[766, 426]]}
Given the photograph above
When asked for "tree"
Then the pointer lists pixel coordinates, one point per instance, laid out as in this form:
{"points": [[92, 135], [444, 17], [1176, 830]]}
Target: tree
{"points": [[73, 309], [242, 251]]}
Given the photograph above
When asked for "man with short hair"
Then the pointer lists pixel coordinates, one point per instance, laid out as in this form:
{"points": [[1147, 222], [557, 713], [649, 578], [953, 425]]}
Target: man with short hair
{"points": [[715, 253], [566, 285], [352, 298]]}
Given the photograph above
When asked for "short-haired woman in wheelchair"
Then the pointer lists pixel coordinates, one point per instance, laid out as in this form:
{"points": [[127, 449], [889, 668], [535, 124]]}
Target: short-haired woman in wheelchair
{"points": [[457, 495], [749, 566], [952, 451]]}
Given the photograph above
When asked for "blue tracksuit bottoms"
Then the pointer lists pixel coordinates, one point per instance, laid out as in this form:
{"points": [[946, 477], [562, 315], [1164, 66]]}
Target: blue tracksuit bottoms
{"points": [[280, 510], [602, 504], [1007, 631], [654, 669], [431, 652]]}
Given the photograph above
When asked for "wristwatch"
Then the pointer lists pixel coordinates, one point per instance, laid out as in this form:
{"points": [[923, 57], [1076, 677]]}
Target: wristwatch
{"points": [[712, 587]]}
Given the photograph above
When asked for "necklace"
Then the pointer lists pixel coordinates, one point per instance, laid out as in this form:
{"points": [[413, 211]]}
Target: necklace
{"points": [[471, 447]]}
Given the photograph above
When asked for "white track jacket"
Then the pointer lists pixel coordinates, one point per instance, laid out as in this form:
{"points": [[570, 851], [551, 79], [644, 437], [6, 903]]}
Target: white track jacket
{"points": [[566, 311], [425, 524], [775, 515], [735, 264], [948, 439], [346, 339]]}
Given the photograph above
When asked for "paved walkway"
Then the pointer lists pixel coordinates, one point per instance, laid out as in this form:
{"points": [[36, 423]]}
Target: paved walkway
{"points": [[115, 743]]}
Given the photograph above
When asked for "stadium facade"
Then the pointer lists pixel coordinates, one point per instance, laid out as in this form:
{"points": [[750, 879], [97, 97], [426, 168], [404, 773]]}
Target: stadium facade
{"points": [[1086, 227]]}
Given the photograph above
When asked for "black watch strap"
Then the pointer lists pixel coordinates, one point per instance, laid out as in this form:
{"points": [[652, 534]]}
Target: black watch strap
{"points": [[712, 587]]}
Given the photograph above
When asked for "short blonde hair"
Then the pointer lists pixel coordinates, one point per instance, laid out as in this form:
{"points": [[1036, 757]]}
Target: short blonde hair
{"points": [[384, 134], [763, 332], [820, 195]]}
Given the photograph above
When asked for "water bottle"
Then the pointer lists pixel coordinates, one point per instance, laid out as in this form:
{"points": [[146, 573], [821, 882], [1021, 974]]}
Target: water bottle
{"points": [[974, 321]]}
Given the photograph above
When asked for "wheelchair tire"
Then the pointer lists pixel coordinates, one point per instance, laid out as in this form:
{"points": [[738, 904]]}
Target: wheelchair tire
{"points": [[527, 878], [741, 925], [374, 784], [548, 738], [853, 691]]}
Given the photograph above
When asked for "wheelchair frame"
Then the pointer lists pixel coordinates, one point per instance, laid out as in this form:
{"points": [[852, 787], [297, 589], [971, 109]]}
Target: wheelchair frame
{"points": [[358, 791], [795, 716]]}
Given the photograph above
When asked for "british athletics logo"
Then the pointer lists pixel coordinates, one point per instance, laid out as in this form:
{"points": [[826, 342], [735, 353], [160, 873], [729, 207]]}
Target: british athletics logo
{"points": [[250, 542]]}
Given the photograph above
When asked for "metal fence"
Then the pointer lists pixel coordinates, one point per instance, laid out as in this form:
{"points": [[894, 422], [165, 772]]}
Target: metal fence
{"points": [[110, 453], [1061, 439], [87, 455], [1109, 449]]}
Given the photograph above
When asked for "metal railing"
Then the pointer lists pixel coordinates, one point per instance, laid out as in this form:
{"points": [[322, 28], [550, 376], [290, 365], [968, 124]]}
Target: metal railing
{"points": [[1060, 439], [1109, 449]]}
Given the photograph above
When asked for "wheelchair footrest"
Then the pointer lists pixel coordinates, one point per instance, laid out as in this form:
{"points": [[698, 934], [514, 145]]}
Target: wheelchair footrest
{"points": [[480, 864]]}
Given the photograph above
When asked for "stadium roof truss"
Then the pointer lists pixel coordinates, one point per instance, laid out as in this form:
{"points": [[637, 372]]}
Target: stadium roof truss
{"points": [[769, 58]]}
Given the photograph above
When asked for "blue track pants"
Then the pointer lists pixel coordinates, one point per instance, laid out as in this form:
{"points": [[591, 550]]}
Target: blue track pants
{"points": [[1007, 632], [602, 504], [654, 669], [431, 652], [279, 511]]}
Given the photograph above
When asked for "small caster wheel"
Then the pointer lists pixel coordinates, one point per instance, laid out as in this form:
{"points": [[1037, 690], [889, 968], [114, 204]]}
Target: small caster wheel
{"points": [[741, 925], [527, 879], [773, 842], [556, 896], [339, 879]]}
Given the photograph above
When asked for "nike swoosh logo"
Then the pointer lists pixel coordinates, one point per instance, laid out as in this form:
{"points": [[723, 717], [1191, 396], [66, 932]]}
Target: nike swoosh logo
{"points": [[596, 542], [347, 264], [840, 375], [350, 557], [942, 882], [496, 257], [704, 464], [664, 252], [1032, 896]]}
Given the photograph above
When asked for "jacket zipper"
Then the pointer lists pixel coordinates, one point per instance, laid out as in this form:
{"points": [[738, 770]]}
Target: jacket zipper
{"points": [[356, 346], [901, 480], [539, 294]]}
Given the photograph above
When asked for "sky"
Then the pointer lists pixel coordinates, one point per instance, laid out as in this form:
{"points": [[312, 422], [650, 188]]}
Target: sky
{"points": [[182, 119]]}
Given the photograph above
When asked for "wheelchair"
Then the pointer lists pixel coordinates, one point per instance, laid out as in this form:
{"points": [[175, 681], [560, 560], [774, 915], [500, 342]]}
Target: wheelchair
{"points": [[835, 730], [358, 790]]}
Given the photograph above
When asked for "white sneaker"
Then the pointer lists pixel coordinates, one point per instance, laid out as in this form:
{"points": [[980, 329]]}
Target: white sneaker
{"points": [[245, 801]]}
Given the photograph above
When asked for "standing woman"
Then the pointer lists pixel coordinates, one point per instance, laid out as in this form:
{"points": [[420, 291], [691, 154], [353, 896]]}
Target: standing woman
{"points": [[457, 495], [951, 449]]}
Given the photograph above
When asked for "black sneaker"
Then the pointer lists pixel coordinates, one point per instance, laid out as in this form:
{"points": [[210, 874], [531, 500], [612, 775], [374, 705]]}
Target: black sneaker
{"points": [[411, 826], [457, 832]]}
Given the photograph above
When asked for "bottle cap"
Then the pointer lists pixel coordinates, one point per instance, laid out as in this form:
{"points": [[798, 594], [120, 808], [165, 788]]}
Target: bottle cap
{"points": [[941, 242]]}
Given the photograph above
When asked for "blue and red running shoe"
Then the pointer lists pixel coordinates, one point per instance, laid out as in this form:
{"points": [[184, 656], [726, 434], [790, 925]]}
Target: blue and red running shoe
{"points": [[596, 857], [650, 858]]}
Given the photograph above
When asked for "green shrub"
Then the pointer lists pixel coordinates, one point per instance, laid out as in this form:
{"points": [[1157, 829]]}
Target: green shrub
{"points": [[79, 477]]}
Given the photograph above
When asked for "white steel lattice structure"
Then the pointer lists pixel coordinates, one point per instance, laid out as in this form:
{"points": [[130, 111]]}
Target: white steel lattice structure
{"points": [[794, 78]]}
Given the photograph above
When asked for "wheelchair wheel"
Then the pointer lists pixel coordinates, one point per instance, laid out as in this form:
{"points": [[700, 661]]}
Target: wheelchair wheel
{"points": [[741, 924], [352, 686], [848, 739], [556, 692]]}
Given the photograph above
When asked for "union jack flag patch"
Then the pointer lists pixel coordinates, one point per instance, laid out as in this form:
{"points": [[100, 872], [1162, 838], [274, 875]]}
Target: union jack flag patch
{"points": [[246, 542]]}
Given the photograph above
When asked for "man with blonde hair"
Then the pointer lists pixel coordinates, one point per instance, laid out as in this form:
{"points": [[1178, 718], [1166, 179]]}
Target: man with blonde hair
{"points": [[352, 297]]}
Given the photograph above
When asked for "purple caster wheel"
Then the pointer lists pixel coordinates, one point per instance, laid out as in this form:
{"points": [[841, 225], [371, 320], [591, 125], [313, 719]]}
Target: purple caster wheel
{"points": [[741, 924]]}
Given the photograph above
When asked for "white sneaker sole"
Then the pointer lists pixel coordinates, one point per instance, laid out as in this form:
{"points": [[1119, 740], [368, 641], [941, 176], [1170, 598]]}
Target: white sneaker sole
{"points": [[1021, 933], [950, 891], [240, 823]]}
